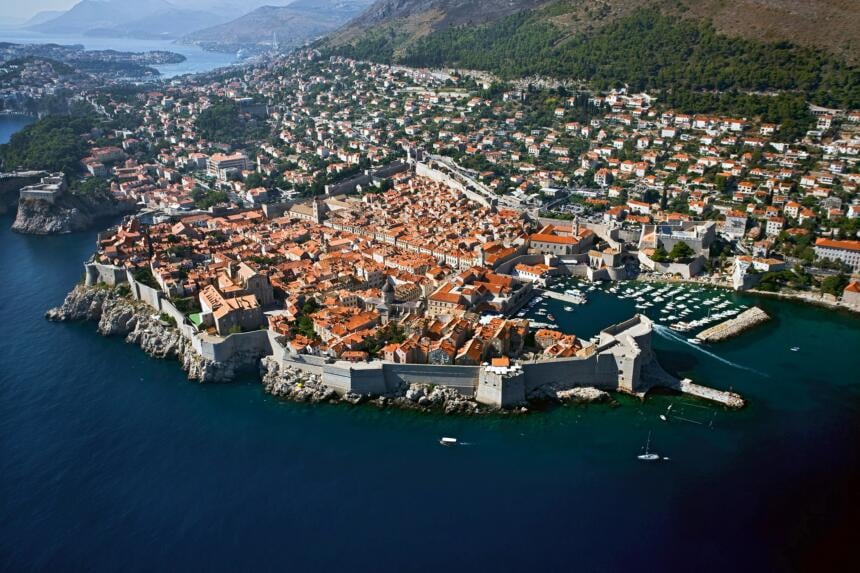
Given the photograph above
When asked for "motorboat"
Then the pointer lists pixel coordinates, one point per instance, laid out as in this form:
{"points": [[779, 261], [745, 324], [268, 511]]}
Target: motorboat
{"points": [[448, 441]]}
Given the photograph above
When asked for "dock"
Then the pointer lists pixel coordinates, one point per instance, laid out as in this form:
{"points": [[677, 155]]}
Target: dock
{"points": [[556, 295], [734, 326], [729, 399]]}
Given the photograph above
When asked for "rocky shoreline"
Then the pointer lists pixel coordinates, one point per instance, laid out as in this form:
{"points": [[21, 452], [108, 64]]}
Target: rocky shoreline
{"points": [[289, 383], [117, 314], [69, 214], [292, 383]]}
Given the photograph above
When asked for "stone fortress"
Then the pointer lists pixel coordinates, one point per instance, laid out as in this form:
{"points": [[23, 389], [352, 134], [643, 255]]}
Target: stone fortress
{"points": [[620, 359]]}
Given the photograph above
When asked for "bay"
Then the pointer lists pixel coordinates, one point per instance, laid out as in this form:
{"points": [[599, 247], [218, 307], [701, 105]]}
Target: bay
{"points": [[197, 60]]}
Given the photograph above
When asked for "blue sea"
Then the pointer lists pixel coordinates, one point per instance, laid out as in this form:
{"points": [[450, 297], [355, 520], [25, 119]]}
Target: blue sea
{"points": [[197, 60], [113, 461]]}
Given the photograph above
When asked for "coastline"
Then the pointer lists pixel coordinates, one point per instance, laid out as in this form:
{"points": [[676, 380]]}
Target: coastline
{"points": [[117, 313]]}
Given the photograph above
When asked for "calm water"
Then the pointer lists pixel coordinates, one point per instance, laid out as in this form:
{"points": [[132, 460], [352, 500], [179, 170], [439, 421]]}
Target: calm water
{"points": [[9, 124], [111, 460], [197, 60]]}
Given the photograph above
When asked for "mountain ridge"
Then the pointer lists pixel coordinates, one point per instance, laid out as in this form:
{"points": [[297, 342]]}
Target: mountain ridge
{"points": [[293, 24], [830, 25], [153, 18]]}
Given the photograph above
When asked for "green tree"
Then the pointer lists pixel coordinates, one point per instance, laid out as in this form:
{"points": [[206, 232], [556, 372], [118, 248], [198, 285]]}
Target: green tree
{"points": [[835, 284], [681, 252]]}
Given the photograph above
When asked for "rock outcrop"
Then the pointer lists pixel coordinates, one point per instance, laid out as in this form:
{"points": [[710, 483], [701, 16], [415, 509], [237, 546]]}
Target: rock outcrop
{"points": [[68, 214], [577, 395], [139, 324], [583, 395]]}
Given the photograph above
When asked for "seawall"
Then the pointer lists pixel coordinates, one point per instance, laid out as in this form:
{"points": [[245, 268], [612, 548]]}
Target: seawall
{"points": [[618, 361], [734, 326]]}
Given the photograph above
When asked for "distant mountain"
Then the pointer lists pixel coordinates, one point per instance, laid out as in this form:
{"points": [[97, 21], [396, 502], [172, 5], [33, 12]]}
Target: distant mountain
{"points": [[42, 17], [135, 18], [832, 25], [293, 24]]}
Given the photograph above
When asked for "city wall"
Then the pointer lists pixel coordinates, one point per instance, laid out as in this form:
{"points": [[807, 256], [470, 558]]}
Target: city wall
{"points": [[424, 170], [244, 347], [684, 270], [615, 364]]}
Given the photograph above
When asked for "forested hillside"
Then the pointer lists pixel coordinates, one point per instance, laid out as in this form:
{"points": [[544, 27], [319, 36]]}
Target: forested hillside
{"points": [[648, 50]]}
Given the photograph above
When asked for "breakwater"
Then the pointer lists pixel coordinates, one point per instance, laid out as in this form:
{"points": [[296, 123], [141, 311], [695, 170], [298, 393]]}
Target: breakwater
{"points": [[734, 326]]}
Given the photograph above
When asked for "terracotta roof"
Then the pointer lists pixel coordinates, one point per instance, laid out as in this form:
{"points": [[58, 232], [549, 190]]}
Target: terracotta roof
{"points": [[834, 244]]}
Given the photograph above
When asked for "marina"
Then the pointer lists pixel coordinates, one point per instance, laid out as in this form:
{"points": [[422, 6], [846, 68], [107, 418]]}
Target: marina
{"points": [[681, 308]]}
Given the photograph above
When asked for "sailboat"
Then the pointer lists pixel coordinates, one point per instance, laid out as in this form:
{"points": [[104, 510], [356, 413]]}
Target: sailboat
{"points": [[649, 456]]}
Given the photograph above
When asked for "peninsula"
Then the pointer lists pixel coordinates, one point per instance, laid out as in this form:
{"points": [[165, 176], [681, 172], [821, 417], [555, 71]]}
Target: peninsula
{"points": [[346, 296], [332, 208]]}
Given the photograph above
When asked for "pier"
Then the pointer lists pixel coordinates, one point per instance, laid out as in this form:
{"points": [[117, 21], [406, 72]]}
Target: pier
{"points": [[734, 326], [729, 399], [557, 296]]}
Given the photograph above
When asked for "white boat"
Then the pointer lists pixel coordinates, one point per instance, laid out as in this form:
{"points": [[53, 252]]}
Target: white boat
{"points": [[795, 348], [568, 308], [694, 341], [649, 456], [448, 441]]}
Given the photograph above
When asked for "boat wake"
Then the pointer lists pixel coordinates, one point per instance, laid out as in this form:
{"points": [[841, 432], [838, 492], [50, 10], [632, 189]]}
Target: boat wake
{"points": [[667, 332]]}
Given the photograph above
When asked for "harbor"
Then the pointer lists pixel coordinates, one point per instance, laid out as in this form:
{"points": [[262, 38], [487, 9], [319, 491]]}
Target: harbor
{"points": [[679, 313]]}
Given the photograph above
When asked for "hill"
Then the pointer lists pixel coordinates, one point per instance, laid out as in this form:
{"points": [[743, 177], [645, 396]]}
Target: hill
{"points": [[133, 18], [831, 25], [293, 24], [642, 43], [41, 17]]}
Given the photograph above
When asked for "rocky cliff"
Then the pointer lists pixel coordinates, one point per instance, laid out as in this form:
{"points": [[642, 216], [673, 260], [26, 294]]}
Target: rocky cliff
{"points": [[68, 214], [138, 323]]}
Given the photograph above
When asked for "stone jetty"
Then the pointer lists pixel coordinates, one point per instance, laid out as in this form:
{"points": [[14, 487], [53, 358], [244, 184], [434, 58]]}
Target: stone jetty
{"points": [[734, 326], [728, 399]]}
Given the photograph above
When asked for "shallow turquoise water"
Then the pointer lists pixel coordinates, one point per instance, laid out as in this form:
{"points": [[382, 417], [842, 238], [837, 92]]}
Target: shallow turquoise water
{"points": [[111, 460]]}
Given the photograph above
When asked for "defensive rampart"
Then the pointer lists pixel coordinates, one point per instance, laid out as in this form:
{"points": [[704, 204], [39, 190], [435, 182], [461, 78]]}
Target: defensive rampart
{"points": [[615, 363], [244, 347]]}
